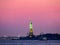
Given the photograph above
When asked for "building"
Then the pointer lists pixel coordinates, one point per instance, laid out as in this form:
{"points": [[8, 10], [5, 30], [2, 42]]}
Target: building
{"points": [[31, 30]]}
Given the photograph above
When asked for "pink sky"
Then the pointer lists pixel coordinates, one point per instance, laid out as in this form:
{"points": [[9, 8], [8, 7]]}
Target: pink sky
{"points": [[15, 16]]}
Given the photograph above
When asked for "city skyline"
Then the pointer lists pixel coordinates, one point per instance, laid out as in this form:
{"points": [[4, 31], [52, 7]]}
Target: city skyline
{"points": [[15, 16]]}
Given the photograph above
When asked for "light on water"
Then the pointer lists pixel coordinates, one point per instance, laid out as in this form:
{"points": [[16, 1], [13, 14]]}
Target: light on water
{"points": [[29, 42]]}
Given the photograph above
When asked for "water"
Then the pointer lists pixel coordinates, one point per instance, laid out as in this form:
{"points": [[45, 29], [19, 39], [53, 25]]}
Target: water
{"points": [[29, 42]]}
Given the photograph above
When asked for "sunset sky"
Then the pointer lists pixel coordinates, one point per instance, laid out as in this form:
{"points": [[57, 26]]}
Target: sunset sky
{"points": [[15, 16]]}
